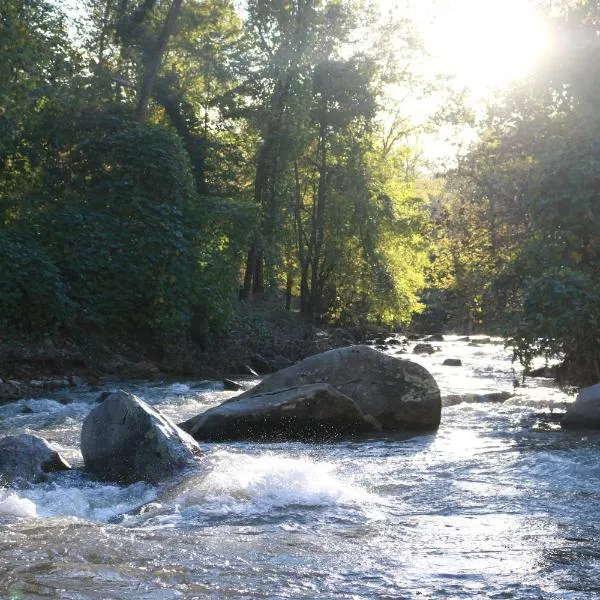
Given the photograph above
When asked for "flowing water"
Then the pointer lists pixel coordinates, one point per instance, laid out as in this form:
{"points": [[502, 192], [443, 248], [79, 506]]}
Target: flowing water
{"points": [[499, 503]]}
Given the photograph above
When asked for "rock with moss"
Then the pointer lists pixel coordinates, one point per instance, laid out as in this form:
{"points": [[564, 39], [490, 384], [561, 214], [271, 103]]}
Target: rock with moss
{"points": [[28, 458], [399, 395], [125, 440], [308, 412]]}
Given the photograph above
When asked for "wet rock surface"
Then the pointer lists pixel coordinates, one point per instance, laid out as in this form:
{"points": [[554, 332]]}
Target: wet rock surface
{"points": [[27, 458], [124, 439], [399, 394], [308, 412]]}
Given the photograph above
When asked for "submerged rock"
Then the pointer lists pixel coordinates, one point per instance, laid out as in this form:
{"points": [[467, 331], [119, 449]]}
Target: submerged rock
{"points": [[496, 397], [307, 412], [125, 440], [27, 458], [399, 394], [584, 413]]}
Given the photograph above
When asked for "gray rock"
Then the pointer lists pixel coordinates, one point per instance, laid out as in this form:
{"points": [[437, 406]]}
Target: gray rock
{"points": [[27, 458], [399, 394], [496, 397], [436, 337], [103, 396], [481, 339], [309, 412], [231, 386], [453, 362], [584, 413], [424, 349], [280, 362], [125, 440]]}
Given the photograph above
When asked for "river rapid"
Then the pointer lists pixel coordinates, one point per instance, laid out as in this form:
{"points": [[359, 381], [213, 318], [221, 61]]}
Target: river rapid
{"points": [[499, 503]]}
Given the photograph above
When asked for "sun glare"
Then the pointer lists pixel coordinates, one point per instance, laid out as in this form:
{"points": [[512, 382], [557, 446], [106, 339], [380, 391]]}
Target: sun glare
{"points": [[485, 43]]}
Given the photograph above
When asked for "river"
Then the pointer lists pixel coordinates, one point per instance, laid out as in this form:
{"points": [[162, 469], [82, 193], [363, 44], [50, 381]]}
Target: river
{"points": [[499, 503]]}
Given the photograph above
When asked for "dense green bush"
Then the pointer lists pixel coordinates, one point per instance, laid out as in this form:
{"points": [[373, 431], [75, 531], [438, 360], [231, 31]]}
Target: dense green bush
{"points": [[112, 206], [34, 296], [560, 319]]}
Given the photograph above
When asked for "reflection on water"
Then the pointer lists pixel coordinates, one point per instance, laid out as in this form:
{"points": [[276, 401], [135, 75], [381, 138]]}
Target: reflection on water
{"points": [[492, 506]]}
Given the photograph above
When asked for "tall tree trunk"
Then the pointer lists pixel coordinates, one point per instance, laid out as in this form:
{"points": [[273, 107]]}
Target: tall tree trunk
{"points": [[154, 61], [289, 284], [319, 221], [267, 169], [304, 250]]}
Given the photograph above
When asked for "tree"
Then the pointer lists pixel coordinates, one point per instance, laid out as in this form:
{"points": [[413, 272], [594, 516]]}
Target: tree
{"points": [[531, 188]]}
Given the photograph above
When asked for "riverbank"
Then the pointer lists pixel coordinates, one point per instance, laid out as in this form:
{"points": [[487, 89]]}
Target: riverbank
{"points": [[260, 340]]}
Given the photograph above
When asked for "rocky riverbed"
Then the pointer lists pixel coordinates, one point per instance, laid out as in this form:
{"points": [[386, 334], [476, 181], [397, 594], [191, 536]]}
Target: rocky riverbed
{"points": [[498, 503]]}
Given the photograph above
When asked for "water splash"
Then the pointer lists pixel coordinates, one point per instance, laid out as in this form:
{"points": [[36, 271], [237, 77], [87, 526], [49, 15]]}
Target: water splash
{"points": [[12, 505]]}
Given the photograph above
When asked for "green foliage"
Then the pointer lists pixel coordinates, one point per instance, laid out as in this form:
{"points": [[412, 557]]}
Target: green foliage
{"points": [[559, 318], [524, 211], [34, 295], [260, 133]]}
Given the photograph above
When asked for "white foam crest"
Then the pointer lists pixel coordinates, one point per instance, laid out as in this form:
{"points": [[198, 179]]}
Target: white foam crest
{"points": [[14, 506], [245, 484], [95, 502]]}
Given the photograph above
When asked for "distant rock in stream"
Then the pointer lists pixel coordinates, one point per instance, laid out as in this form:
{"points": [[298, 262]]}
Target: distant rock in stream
{"points": [[495, 397], [392, 395], [125, 440], [27, 458], [452, 362], [424, 349]]}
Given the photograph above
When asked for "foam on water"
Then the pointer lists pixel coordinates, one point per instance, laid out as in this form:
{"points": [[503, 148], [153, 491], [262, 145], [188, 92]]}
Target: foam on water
{"points": [[94, 501], [244, 485], [12, 505], [73, 496], [178, 388], [271, 480]]}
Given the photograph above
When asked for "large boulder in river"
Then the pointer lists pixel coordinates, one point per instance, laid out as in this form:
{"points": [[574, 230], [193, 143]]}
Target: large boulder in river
{"points": [[584, 413], [125, 440], [27, 458], [314, 411], [399, 395]]}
